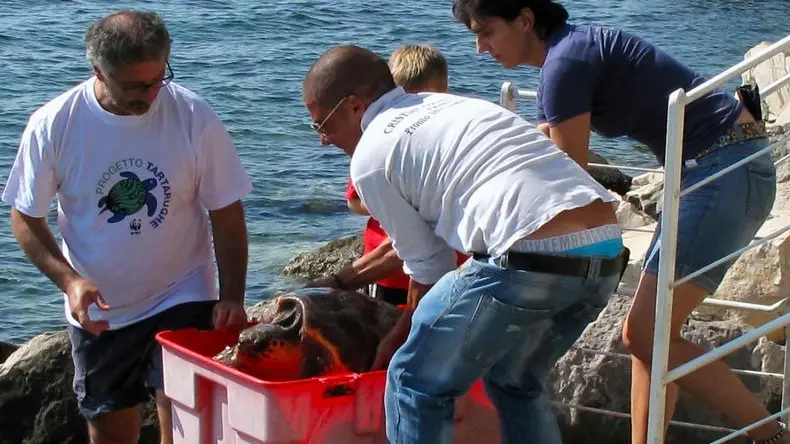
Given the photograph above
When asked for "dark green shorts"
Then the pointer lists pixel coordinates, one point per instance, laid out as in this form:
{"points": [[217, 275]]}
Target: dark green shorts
{"points": [[122, 368]]}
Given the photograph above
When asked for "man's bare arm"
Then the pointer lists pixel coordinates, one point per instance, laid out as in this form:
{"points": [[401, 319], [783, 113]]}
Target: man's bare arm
{"points": [[231, 250], [398, 335], [416, 292], [357, 207], [573, 137], [376, 265], [40, 246]]}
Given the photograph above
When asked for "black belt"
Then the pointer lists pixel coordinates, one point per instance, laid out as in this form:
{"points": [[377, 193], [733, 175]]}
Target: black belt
{"points": [[564, 265]]}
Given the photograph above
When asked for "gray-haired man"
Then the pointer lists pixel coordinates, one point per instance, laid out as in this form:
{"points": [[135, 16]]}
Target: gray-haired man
{"points": [[140, 167]]}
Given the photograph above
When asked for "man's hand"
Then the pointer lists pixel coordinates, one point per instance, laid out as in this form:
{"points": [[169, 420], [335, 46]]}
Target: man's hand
{"points": [[82, 294], [229, 316], [397, 336], [387, 348], [325, 281], [229, 231], [377, 264], [416, 292], [393, 341]]}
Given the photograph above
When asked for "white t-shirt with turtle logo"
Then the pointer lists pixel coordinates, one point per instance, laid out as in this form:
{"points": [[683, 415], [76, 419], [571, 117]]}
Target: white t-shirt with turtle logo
{"points": [[132, 193], [128, 196]]}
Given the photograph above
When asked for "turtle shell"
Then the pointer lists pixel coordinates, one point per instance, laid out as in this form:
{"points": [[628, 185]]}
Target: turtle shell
{"points": [[126, 197]]}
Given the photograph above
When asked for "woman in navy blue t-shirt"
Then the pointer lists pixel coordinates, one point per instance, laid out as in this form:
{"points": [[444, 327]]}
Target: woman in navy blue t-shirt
{"points": [[616, 84]]}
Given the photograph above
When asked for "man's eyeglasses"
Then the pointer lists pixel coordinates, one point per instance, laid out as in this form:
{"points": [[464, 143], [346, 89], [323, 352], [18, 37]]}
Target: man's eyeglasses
{"points": [[144, 87], [319, 127]]}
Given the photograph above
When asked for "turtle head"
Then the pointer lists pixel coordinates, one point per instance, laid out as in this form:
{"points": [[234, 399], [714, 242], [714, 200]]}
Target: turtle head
{"points": [[315, 332], [272, 348]]}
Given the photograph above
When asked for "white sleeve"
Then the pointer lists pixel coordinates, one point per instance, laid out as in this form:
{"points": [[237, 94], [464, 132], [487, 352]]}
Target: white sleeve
{"points": [[32, 182], [223, 179], [426, 257]]}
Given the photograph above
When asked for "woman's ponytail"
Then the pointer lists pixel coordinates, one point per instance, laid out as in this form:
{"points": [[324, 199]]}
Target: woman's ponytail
{"points": [[549, 16]]}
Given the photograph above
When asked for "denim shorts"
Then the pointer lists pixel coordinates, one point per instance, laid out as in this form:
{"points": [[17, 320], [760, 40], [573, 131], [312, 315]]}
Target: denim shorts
{"points": [[721, 216], [121, 368]]}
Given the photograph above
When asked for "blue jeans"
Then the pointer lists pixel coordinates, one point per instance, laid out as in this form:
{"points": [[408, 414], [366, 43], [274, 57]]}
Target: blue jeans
{"points": [[504, 325], [722, 216]]}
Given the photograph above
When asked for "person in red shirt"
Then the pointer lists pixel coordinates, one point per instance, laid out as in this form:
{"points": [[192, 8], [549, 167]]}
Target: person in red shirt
{"points": [[417, 68], [388, 287], [377, 245]]}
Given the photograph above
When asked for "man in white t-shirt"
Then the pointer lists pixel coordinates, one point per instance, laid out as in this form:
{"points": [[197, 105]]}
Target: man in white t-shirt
{"points": [[445, 173], [144, 173]]}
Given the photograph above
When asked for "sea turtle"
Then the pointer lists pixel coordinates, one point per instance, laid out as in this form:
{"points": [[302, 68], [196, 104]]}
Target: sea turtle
{"points": [[312, 332], [128, 196]]}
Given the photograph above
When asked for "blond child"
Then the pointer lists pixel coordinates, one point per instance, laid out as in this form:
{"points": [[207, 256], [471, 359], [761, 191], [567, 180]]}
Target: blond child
{"points": [[419, 68]]}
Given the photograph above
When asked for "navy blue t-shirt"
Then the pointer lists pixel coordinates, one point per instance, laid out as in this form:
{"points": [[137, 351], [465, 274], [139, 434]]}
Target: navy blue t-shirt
{"points": [[625, 83]]}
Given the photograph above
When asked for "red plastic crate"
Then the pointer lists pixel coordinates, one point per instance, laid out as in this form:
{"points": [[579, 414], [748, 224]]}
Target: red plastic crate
{"points": [[213, 403]]}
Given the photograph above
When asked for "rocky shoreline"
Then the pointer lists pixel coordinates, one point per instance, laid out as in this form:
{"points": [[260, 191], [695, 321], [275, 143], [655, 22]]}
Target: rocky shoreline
{"points": [[38, 406]]}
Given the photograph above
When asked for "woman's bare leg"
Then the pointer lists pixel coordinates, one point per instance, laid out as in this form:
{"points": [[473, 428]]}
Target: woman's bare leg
{"points": [[706, 384]]}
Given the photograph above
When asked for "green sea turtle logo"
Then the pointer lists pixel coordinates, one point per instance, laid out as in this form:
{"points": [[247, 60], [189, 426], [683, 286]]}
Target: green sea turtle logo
{"points": [[128, 196]]}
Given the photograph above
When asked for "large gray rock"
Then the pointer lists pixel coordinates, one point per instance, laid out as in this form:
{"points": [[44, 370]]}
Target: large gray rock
{"points": [[782, 203], [646, 194], [629, 216], [5, 350], [325, 260], [37, 404], [758, 276]]}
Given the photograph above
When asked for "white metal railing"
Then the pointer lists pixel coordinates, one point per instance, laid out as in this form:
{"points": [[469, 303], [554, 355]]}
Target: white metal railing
{"points": [[660, 376], [678, 100], [774, 86]]}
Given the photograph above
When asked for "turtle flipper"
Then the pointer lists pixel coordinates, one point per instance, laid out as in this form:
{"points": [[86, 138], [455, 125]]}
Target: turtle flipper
{"points": [[103, 204], [151, 203], [117, 217]]}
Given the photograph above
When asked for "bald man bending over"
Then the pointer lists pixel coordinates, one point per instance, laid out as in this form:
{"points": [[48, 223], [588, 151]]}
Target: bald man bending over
{"points": [[442, 173]]}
